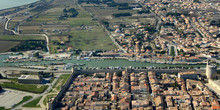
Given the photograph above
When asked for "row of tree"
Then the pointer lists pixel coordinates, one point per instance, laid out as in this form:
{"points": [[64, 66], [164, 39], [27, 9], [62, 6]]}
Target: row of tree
{"points": [[122, 14], [68, 13]]}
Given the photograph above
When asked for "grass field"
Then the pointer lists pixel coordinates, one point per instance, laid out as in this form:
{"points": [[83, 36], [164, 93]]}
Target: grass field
{"points": [[26, 98], [25, 87], [172, 51], [91, 40], [61, 81], [48, 97], [33, 103], [6, 45]]}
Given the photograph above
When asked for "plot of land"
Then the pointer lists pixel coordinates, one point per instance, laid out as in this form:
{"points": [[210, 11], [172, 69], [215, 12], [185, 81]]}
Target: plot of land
{"points": [[18, 38], [6, 45], [25, 87], [11, 97], [33, 103]]}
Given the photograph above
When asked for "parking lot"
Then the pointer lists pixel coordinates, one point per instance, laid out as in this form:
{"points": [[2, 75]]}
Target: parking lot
{"points": [[11, 97]]}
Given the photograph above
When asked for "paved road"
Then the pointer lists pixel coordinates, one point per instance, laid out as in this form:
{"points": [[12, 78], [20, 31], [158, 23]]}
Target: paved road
{"points": [[6, 26]]}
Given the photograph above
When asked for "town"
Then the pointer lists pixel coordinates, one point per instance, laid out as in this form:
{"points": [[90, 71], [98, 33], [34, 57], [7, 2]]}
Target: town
{"points": [[130, 89]]}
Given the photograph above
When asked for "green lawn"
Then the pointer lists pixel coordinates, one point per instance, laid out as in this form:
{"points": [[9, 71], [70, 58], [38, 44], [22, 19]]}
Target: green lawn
{"points": [[172, 51], [92, 39], [61, 81], [3, 108], [25, 87], [26, 98], [33, 103], [48, 97]]}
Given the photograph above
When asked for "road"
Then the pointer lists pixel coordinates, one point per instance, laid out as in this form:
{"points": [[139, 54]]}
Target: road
{"points": [[17, 33], [34, 70], [6, 26]]}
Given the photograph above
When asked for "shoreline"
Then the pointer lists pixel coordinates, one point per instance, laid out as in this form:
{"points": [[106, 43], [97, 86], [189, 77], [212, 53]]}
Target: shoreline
{"points": [[24, 5]]}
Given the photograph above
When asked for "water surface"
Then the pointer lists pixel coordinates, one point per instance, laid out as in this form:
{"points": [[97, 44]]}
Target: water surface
{"points": [[4, 4]]}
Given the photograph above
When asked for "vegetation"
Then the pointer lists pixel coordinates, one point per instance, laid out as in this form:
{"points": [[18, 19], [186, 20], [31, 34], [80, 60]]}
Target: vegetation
{"points": [[3, 108], [172, 51], [25, 87], [25, 98], [215, 23], [176, 14], [48, 97], [33, 103], [30, 45], [20, 38], [1, 89], [61, 81], [197, 1], [143, 11], [122, 14], [69, 13], [7, 45], [150, 29], [10, 41]]}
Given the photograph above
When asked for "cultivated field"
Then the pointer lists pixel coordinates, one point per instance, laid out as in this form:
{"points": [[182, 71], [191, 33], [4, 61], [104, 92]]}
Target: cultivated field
{"points": [[6, 45], [9, 41], [47, 21]]}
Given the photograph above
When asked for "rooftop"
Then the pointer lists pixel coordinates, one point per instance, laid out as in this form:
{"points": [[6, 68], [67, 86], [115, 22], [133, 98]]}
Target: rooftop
{"points": [[36, 77]]}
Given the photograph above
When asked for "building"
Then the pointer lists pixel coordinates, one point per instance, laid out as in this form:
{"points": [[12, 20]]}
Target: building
{"points": [[188, 75], [210, 71], [215, 84], [30, 79]]}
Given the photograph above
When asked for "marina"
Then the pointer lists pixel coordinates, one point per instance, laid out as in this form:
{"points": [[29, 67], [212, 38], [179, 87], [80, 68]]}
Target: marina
{"points": [[92, 62]]}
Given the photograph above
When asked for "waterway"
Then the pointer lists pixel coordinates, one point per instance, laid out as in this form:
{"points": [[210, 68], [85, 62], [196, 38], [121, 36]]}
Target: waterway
{"points": [[97, 63], [4, 4]]}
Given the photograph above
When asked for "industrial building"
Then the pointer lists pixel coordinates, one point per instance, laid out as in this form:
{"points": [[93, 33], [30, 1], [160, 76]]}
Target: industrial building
{"points": [[30, 79]]}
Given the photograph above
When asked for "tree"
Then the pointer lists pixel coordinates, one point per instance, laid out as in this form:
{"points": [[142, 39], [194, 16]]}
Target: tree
{"points": [[37, 55], [1, 89], [52, 75]]}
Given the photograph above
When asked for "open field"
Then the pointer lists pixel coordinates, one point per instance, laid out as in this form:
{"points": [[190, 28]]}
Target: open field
{"points": [[46, 99], [17, 96], [6, 45], [20, 38], [33, 103], [25, 98], [61, 81], [25, 87], [91, 40], [10, 41], [47, 21]]}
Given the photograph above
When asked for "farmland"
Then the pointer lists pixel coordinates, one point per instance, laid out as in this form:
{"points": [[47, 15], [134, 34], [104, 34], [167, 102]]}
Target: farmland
{"points": [[10, 41], [6, 45], [82, 31], [63, 33]]}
